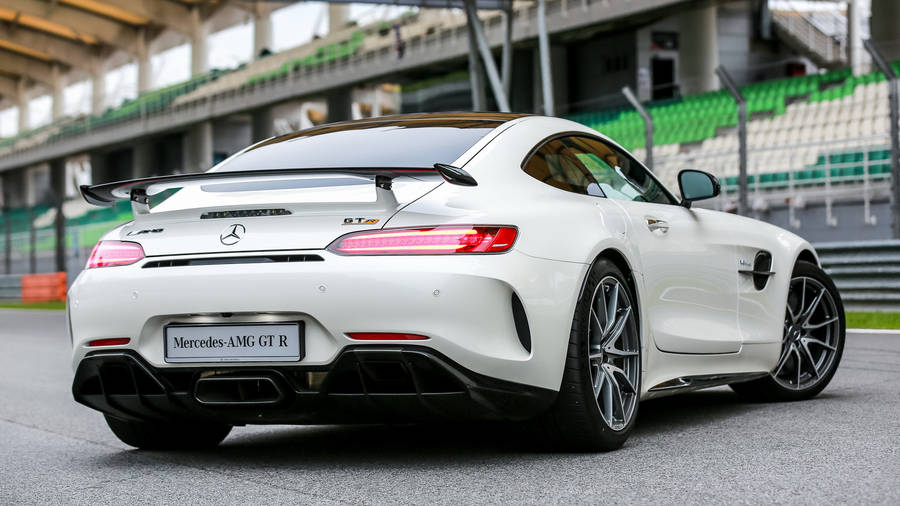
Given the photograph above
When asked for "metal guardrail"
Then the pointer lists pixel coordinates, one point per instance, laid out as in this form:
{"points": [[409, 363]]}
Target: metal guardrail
{"points": [[10, 287], [867, 274]]}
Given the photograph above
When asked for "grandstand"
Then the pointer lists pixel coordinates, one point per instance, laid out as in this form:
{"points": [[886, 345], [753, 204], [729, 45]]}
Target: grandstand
{"points": [[819, 149]]}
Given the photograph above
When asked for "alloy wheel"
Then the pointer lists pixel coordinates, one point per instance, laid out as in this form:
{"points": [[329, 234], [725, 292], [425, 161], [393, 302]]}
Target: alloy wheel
{"points": [[811, 332], [614, 353]]}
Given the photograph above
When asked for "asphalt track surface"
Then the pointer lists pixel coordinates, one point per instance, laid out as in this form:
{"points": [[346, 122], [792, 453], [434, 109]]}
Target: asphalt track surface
{"points": [[707, 447]]}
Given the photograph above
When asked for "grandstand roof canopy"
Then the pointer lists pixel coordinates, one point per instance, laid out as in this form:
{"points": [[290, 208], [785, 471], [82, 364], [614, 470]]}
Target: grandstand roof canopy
{"points": [[42, 39]]}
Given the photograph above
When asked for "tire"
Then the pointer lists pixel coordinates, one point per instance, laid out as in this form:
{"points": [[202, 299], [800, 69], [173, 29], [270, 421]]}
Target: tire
{"points": [[168, 436], [576, 421], [815, 365]]}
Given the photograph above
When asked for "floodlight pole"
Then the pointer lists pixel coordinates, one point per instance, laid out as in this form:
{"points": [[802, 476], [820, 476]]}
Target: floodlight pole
{"points": [[544, 50], [743, 206], [506, 55], [885, 67], [648, 124], [487, 58], [476, 74]]}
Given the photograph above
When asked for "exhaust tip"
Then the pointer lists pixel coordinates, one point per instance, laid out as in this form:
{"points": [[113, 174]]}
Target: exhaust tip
{"points": [[238, 390]]}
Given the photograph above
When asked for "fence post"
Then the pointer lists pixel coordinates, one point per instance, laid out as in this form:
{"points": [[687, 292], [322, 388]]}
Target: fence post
{"points": [[58, 182], [648, 124], [885, 67], [743, 207], [32, 242], [830, 219], [7, 227]]}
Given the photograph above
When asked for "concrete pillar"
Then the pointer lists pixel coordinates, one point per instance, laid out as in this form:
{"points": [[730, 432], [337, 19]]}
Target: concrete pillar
{"points": [[559, 62], [698, 52], [262, 32], [262, 124], [98, 88], [339, 104], [198, 147], [144, 69], [99, 173], [58, 85], [199, 51], [885, 27], [338, 15], [22, 100], [142, 159]]}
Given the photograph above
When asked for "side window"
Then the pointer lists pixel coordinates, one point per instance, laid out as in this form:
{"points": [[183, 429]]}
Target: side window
{"points": [[619, 176], [559, 164]]}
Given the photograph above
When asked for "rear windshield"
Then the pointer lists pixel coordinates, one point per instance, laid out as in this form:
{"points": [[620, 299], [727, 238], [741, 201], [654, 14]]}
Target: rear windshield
{"points": [[393, 144]]}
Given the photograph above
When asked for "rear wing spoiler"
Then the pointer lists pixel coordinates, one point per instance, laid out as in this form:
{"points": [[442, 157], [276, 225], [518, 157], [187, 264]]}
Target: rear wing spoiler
{"points": [[138, 191]]}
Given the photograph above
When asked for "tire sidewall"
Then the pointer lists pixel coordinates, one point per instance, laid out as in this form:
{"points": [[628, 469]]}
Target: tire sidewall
{"points": [[813, 271], [601, 269]]}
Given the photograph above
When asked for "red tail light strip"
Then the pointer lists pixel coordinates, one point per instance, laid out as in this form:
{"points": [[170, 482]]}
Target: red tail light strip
{"points": [[384, 336], [429, 241], [113, 341]]}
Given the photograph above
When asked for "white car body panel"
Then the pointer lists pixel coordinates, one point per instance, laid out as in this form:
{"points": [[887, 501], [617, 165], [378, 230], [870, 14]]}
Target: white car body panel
{"points": [[698, 316]]}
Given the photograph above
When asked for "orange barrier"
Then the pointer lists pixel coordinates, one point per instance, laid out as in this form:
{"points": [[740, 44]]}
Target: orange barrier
{"points": [[44, 287]]}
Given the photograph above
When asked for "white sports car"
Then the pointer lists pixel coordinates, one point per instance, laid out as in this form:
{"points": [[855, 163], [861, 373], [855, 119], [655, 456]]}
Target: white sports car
{"points": [[451, 266]]}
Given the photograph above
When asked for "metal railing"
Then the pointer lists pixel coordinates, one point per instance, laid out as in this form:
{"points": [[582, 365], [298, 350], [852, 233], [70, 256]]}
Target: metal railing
{"points": [[867, 274]]}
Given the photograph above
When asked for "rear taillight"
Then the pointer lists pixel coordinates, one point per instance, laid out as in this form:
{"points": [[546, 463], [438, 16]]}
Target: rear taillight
{"points": [[112, 253], [427, 241]]}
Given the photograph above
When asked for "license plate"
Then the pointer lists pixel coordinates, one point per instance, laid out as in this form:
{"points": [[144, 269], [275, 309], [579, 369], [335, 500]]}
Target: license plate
{"points": [[259, 342]]}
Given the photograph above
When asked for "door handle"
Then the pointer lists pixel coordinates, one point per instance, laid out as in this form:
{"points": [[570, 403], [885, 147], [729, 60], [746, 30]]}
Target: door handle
{"points": [[654, 225]]}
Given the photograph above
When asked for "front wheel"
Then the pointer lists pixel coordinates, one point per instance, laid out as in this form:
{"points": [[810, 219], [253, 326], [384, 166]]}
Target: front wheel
{"points": [[600, 391], [812, 344], [168, 435]]}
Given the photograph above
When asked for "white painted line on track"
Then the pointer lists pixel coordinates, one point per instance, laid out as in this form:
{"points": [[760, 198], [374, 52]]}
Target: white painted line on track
{"points": [[873, 331]]}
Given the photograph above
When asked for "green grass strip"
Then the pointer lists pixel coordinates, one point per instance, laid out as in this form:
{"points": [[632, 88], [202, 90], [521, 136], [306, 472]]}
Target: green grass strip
{"points": [[873, 320], [58, 305]]}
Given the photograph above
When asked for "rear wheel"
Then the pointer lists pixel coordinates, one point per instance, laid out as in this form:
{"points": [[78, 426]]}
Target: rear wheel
{"points": [[599, 396], [168, 436], [812, 343]]}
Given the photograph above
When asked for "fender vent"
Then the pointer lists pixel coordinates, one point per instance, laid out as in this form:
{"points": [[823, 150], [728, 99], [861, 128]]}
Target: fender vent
{"points": [[762, 266], [521, 321]]}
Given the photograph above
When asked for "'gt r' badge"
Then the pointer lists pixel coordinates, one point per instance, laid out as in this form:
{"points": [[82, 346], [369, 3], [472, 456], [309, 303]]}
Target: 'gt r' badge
{"points": [[232, 234], [360, 221]]}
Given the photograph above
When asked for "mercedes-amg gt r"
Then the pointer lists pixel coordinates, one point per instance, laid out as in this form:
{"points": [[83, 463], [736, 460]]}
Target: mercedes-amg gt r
{"points": [[437, 266]]}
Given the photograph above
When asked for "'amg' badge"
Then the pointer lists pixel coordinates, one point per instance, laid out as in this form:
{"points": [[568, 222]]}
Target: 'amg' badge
{"points": [[232, 234]]}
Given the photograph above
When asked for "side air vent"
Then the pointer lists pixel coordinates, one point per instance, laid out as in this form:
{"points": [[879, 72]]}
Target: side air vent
{"points": [[244, 213], [762, 267], [256, 259], [521, 321]]}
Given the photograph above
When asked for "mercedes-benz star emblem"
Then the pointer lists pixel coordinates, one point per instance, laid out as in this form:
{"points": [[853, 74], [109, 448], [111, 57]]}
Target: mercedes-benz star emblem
{"points": [[232, 234]]}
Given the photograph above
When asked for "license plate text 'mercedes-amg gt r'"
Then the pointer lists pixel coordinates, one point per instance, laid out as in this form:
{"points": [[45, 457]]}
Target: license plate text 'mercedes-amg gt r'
{"points": [[450, 266]]}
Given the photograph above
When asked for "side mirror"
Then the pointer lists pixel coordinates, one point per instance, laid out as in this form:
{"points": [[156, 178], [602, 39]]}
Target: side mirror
{"points": [[697, 185]]}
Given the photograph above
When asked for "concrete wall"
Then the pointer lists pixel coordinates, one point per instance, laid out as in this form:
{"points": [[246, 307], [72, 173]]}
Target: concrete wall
{"points": [[746, 56], [599, 67], [850, 224]]}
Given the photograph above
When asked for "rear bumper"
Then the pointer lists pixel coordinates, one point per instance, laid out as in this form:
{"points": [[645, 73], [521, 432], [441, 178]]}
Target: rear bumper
{"points": [[365, 384], [462, 304]]}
